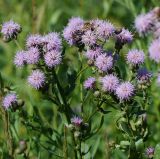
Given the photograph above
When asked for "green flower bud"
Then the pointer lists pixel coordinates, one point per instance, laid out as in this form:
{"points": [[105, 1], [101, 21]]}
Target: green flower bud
{"points": [[22, 147], [77, 134], [96, 94]]}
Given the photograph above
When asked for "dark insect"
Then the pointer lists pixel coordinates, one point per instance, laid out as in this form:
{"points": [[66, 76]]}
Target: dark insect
{"points": [[88, 26], [77, 36]]}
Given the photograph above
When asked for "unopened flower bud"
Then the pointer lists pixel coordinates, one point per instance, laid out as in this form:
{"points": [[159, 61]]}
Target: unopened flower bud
{"points": [[77, 134], [96, 93], [6, 90], [20, 102], [90, 62], [71, 127], [22, 147]]}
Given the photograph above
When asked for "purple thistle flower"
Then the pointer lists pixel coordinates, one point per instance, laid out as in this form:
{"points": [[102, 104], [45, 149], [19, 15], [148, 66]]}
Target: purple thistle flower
{"points": [[89, 83], [32, 56], [10, 30], [74, 25], [154, 50], [109, 83], [150, 152], [36, 79], [104, 62], [105, 29], [34, 40], [67, 34], [135, 57], [76, 21], [89, 38], [91, 54], [77, 121], [97, 22], [125, 36], [144, 23], [19, 59], [52, 41], [157, 30], [53, 58], [143, 74], [124, 91], [9, 100]]}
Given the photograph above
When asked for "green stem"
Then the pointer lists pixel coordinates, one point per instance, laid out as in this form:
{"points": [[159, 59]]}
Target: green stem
{"points": [[65, 144], [61, 91], [80, 153], [68, 111], [82, 70], [18, 45], [14, 131], [7, 133]]}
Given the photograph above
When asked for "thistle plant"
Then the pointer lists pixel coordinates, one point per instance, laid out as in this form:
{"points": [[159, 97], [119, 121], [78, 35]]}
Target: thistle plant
{"points": [[106, 78]]}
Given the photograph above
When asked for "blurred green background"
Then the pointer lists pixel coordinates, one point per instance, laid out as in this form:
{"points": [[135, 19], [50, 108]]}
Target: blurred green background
{"points": [[42, 16]]}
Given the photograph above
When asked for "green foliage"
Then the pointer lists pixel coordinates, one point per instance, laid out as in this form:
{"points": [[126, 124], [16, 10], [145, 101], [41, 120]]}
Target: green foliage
{"points": [[51, 15]]}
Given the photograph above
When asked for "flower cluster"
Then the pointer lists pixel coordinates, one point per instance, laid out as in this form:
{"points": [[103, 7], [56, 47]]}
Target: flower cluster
{"points": [[116, 77], [90, 37], [42, 52]]}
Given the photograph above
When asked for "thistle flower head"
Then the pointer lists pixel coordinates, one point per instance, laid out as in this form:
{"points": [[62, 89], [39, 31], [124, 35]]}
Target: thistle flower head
{"points": [[10, 30], [75, 24], [9, 100], [150, 152], [67, 34], [32, 56], [52, 58], [89, 38], [89, 83], [124, 91], [154, 50], [104, 62], [19, 59], [91, 54], [135, 57], [52, 41], [144, 23], [104, 29], [76, 21], [97, 22], [77, 121], [157, 30], [125, 36], [34, 40], [36, 79], [109, 83], [143, 74]]}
